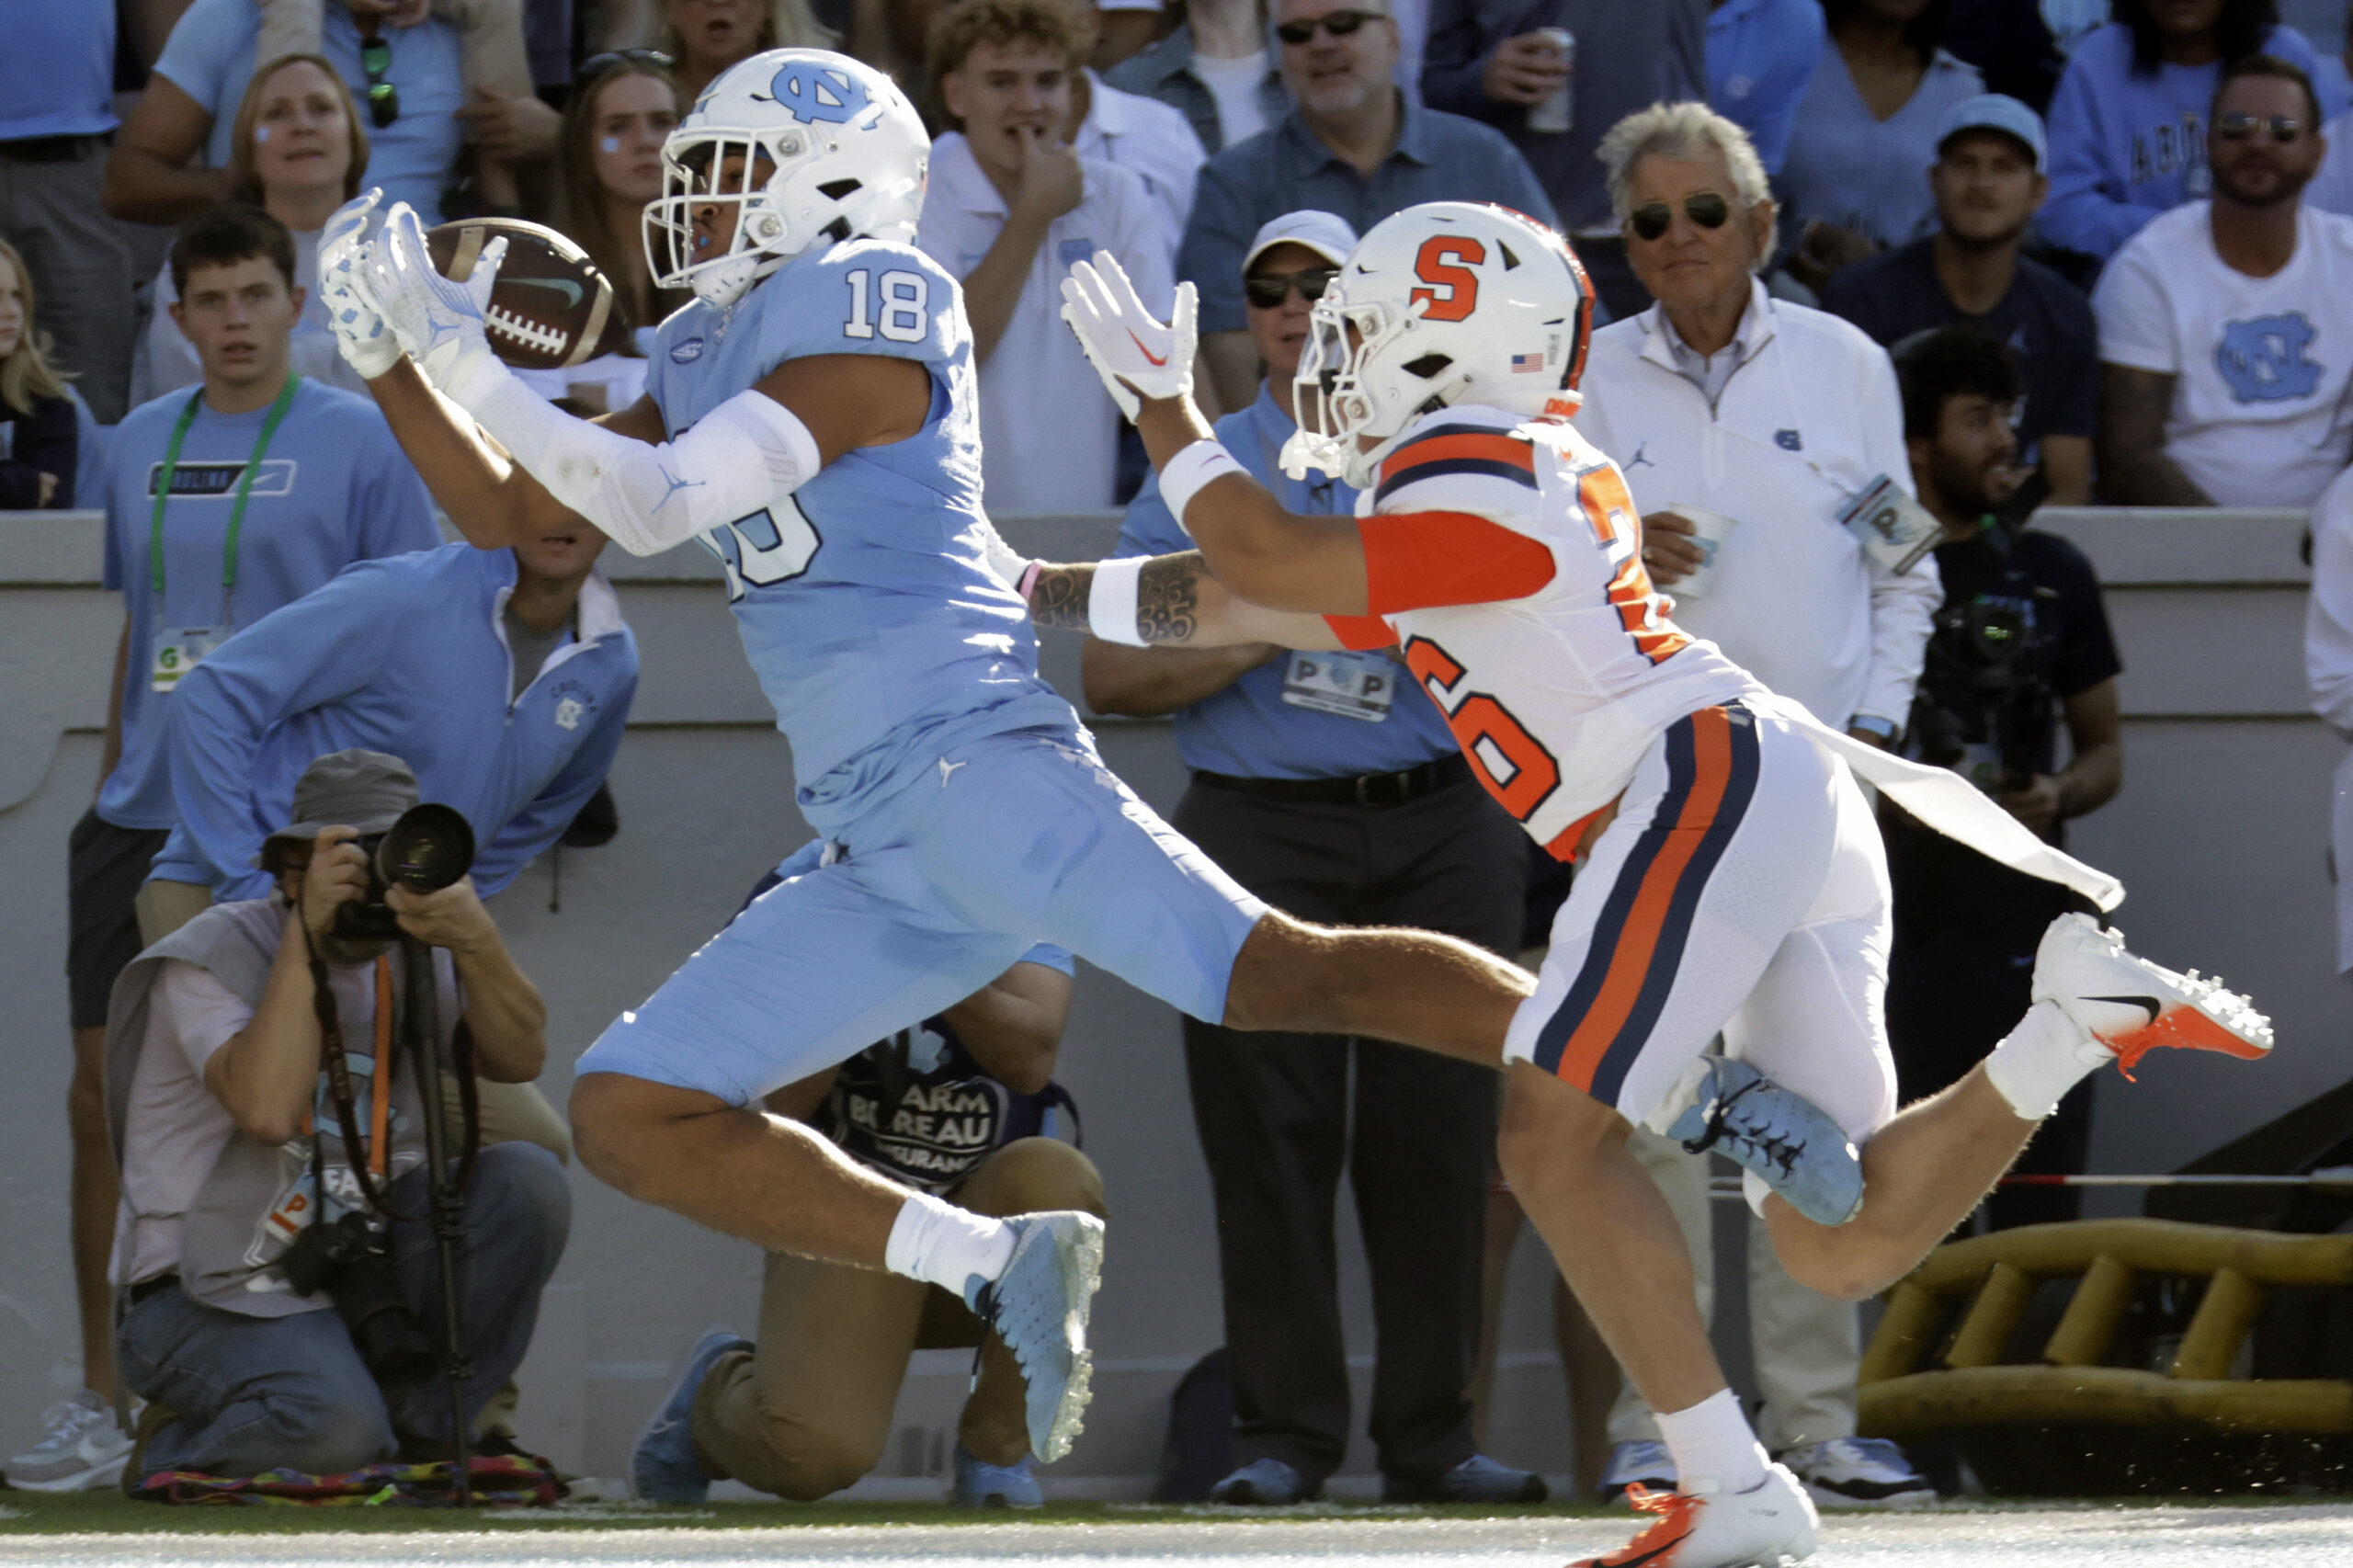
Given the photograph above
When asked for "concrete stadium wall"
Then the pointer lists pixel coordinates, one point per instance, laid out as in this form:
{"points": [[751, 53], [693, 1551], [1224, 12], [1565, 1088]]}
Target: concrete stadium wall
{"points": [[2219, 833]]}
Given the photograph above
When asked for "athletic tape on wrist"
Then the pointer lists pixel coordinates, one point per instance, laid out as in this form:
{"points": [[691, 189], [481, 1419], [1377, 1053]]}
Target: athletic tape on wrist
{"points": [[1111, 602], [1189, 472]]}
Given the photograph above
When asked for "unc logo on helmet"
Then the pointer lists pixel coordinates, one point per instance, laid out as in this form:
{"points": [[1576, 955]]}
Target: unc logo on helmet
{"points": [[791, 148], [818, 95]]}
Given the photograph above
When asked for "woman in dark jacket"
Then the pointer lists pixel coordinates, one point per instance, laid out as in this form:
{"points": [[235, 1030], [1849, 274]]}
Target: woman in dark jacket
{"points": [[38, 430]]}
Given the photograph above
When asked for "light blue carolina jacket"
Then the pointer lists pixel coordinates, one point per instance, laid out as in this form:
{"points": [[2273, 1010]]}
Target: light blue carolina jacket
{"points": [[405, 654]]}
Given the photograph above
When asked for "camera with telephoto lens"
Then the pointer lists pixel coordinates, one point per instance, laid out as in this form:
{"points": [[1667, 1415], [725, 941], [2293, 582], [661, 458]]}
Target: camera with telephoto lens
{"points": [[1984, 707], [426, 849], [350, 1258]]}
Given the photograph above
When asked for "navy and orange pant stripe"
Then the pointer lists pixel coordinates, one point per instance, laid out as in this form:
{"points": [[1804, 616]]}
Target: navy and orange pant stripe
{"points": [[1595, 1037]]}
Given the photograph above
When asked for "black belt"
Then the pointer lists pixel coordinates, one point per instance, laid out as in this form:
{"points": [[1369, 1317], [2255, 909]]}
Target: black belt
{"points": [[167, 1281], [52, 149], [1365, 790]]}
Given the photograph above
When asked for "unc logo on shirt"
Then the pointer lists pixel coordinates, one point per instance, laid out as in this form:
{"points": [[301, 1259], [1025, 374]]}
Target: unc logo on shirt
{"points": [[2263, 357], [574, 702], [1072, 252], [686, 353], [816, 94], [1788, 440]]}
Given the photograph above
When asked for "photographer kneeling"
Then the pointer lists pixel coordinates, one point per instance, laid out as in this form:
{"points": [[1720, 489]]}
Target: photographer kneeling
{"points": [[231, 1109]]}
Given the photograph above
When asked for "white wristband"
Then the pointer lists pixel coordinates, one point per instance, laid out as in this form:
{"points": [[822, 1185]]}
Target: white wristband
{"points": [[1188, 470], [1111, 601]]}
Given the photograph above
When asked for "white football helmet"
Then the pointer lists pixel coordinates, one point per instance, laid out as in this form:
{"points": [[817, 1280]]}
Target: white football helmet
{"points": [[1447, 302], [849, 155]]}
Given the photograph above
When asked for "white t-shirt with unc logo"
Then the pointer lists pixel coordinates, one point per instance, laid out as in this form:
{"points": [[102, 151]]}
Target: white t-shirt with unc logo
{"points": [[2262, 410]]}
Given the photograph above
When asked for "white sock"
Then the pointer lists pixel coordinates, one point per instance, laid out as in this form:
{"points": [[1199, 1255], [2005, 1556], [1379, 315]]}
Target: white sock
{"points": [[1714, 1448], [2040, 1059], [941, 1244]]}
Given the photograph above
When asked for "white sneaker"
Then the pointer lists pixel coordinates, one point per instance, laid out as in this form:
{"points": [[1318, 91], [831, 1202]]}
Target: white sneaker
{"points": [[1771, 1525], [2131, 1006], [1858, 1473], [83, 1448], [1637, 1466]]}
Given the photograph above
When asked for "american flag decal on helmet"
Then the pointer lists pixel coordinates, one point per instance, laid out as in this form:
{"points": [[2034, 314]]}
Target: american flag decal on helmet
{"points": [[1527, 364]]}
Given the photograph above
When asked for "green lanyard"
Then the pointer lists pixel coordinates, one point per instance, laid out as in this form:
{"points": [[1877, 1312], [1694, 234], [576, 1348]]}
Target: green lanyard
{"points": [[236, 512]]}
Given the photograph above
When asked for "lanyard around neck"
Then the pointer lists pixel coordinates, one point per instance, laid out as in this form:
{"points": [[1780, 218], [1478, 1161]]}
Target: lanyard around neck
{"points": [[236, 512]]}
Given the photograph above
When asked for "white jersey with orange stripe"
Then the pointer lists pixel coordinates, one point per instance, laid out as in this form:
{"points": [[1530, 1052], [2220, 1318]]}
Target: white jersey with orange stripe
{"points": [[1555, 683]]}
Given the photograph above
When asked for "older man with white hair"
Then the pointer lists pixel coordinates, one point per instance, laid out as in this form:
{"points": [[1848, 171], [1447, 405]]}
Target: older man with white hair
{"points": [[1749, 430]]}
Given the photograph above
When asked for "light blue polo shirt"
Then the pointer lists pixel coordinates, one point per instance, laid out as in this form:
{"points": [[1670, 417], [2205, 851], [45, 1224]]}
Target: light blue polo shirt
{"points": [[1259, 727], [334, 488], [209, 56], [57, 70]]}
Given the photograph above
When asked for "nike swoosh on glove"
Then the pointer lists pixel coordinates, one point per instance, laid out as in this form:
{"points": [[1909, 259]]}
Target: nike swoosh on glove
{"points": [[438, 322], [1134, 354], [361, 335]]}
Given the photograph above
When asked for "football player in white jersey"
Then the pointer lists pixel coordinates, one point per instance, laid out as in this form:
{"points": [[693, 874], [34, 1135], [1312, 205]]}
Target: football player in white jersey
{"points": [[1732, 879]]}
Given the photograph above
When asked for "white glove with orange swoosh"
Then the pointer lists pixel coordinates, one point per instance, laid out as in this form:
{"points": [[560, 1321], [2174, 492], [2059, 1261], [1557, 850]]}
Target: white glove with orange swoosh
{"points": [[1135, 355]]}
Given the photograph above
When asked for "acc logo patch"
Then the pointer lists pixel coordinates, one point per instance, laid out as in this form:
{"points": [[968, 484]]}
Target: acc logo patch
{"points": [[815, 93], [2263, 357], [686, 353]]}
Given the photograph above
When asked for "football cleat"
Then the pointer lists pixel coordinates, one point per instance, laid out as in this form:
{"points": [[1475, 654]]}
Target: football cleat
{"points": [[980, 1484], [1771, 1525], [1781, 1137], [665, 1467], [1039, 1307], [2132, 1007]]}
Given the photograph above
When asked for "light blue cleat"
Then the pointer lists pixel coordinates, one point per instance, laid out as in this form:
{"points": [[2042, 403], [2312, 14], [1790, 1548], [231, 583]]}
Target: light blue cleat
{"points": [[1038, 1308], [1779, 1137], [664, 1466], [980, 1484]]}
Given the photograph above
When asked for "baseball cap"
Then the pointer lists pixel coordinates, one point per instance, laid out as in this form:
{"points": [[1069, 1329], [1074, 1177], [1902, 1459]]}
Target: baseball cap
{"points": [[1995, 112], [1327, 234], [362, 790]]}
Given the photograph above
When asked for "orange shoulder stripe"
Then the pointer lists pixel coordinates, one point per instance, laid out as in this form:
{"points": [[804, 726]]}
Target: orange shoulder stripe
{"points": [[1479, 445], [1420, 560]]}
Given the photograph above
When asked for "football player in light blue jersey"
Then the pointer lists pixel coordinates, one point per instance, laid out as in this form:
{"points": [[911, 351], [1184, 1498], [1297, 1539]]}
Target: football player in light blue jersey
{"points": [[811, 418]]}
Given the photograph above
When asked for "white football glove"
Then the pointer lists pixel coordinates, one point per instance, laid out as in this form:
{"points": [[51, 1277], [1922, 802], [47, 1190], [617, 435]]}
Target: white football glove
{"points": [[361, 335], [1134, 353], [438, 322]]}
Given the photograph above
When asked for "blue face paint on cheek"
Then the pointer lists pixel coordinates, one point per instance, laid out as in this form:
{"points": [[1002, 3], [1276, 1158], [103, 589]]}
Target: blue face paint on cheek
{"points": [[261, 134], [610, 144]]}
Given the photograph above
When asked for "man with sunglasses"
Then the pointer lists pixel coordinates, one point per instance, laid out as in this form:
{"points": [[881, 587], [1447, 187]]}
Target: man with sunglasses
{"points": [[2222, 382], [1352, 145], [1321, 782], [1725, 404]]}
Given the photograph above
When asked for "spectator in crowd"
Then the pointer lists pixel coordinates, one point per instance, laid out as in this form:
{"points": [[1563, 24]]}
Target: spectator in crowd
{"points": [[1010, 207], [221, 506], [1351, 144], [622, 107], [1121, 28], [40, 431], [961, 1107], [1769, 416], [703, 38], [1988, 183], [1761, 59], [1150, 139], [2332, 188], [1493, 61], [1324, 784], [2021, 643], [2129, 137], [2328, 670], [214, 1048], [56, 115], [1869, 124], [1217, 67], [2223, 378], [2022, 46], [298, 151], [175, 157]]}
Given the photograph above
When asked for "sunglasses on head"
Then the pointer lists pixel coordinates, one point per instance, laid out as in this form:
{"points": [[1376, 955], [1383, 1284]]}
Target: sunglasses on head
{"points": [[2238, 126], [1339, 24], [383, 98], [596, 65], [1652, 217], [1267, 291]]}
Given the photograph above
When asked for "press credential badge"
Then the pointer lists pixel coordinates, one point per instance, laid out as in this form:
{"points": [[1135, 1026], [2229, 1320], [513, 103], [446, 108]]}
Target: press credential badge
{"points": [[1895, 530], [1355, 686]]}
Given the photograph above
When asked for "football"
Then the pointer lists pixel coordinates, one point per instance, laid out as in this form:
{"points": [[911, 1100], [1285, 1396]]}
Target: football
{"points": [[551, 308]]}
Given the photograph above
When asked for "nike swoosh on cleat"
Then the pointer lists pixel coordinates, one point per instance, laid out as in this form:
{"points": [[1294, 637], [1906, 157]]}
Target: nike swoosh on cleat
{"points": [[1656, 1554], [1157, 359], [2152, 1004]]}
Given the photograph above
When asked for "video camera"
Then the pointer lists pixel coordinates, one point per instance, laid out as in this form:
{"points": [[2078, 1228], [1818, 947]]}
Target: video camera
{"points": [[429, 847]]}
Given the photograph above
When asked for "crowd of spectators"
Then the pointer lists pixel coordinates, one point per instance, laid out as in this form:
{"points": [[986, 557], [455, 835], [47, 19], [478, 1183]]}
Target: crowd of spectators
{"points": [[1998, 252]]}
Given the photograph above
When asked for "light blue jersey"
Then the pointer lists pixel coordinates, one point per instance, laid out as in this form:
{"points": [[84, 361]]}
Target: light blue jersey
{"points": [[867, 610]]}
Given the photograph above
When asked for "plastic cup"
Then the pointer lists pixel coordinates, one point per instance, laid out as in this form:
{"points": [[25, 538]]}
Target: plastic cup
{"points": [[1711, 529]]}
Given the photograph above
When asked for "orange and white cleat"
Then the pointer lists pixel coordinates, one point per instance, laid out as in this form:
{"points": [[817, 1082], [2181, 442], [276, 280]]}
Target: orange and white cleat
{"points": [[2131, 1006], [1771, 1525]]}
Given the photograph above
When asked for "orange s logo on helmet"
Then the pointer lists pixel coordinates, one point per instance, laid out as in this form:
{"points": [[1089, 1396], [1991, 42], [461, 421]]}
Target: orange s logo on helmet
{"points": [[1438, 265]]}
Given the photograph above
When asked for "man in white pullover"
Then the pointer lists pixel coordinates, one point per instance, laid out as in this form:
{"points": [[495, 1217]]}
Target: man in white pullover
{"points": [[1722, 400]]}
